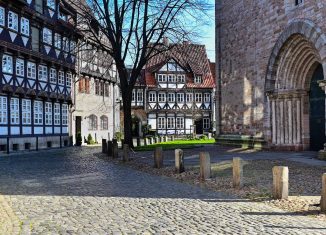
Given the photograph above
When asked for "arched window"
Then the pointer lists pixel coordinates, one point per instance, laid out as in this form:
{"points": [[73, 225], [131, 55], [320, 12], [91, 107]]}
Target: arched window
{"points": [[104, 123], [92, 123]]}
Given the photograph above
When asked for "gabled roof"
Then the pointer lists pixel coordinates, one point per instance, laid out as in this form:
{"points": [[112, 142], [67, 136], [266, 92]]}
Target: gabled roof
{"points": [[191, 57]]}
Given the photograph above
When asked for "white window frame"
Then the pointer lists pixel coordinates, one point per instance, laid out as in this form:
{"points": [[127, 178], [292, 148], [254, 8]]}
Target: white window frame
{"points": [[133, 96], [20, 67], [161, 77], [57, 114], [198, 79], [61, 77], [42, 73], [171, 97], [58, 41], [152, 97], [31, 70], [189, 97], [3, 110], [14, 111], [206, 123], [53, 75], [140, 96], [207, 97], [161, 97], [64, 115], [180, 97], [2, 16], [161, 123], [7, 64], [38, 112], [24, 26], [47, 36], [68, 79], [104, 122], [171, 78], [13, 21], [48, 113], [26, 112], [170, 123], [181, 78], [180, 123], [198, 97]]}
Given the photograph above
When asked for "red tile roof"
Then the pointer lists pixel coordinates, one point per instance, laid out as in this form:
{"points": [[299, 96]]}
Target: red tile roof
{"points": [[191, 57]]}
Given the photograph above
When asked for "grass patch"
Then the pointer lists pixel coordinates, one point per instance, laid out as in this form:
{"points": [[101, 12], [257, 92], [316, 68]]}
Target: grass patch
{"points": [[176, 144]]}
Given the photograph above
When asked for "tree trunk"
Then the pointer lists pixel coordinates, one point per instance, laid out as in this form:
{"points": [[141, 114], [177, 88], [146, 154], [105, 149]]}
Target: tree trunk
{"points": [[127, 119]]}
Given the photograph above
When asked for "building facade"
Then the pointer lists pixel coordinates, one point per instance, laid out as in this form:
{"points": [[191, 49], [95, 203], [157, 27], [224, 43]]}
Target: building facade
{"points": [[271, 64], [176, 92], [37, 50]]}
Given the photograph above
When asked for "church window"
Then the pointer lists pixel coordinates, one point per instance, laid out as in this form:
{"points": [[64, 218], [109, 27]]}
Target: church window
{"points": [[12, 21]]}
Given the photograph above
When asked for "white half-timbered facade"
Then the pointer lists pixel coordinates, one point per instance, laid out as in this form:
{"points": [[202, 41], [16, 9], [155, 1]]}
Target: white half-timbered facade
{"points": [[37, 52], [176, 91]]}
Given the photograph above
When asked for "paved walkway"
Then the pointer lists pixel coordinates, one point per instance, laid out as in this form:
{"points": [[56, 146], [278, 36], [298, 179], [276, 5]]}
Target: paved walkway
{"points": [[73, 192]]}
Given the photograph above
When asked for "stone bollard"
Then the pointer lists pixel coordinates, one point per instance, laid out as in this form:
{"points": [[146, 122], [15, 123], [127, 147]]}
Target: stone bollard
{"points": [[205, 166], [126, 150], [159, 139], [110, 148], [104, 146], [280, 182], [115, 153], [138, 142], [323, 194], [237, 172], [158, 157], [165, 138], [179, 161], [172, 137], [145, 141], [155, 140], [150, 140]]}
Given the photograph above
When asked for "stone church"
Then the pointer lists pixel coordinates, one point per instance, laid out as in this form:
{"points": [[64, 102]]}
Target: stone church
{"points": [[271, 65]]}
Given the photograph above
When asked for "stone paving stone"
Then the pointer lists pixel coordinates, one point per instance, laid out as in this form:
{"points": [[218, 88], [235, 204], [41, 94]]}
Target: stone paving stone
{"points": [[71, 191]]}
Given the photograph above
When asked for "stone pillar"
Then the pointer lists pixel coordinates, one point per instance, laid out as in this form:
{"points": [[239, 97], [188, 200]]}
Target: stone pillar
{"points": [[104, 146], [205, 166], [158, 157], [323, 194], [299, 124], [290, 113], [110, 148], [138, 142], [179, 161], [237, 172], [115, 153], [274, 122], [280, 182], [126, 150], [281, 120]]}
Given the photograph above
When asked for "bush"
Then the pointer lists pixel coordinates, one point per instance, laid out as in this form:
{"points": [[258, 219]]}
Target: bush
{"points": [[204, 137], [79, 139], [90, 140], [118, 136]]}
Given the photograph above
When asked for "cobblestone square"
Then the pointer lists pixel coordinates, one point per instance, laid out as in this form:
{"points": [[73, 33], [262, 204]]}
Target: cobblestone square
{"points": [[72, 191]]}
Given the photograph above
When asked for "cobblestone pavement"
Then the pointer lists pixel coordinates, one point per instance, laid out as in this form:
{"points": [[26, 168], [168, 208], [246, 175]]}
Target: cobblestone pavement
{"points": [[222, 153], [72, 191]]}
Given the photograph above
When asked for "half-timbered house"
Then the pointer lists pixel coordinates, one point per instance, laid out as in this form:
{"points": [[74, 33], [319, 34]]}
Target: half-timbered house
{"points": [[176, 91], [37, 44]]}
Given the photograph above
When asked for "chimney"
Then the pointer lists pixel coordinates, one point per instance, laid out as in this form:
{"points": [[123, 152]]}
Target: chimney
{"points": [[166, 41]]}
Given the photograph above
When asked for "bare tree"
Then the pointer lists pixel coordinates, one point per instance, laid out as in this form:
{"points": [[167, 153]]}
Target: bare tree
{"points": [[132, 31]]}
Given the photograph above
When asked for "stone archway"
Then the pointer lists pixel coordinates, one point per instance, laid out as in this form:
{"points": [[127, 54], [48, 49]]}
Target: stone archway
{"points": [[296, 55]]}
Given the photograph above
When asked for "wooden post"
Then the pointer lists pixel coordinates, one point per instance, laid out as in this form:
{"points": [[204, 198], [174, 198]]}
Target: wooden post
{"points": [[104, 146], [110, 148], [205, 166], [138, 142], [126, 149], [280, 182], [323, 194], [115, 149], [179, 161], [158, 157], [237, 172]]}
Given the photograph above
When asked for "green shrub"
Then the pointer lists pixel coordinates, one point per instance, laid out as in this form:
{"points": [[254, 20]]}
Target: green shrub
{"points": [[79, 139], [118, 136], [90, 140], [204, 137]]}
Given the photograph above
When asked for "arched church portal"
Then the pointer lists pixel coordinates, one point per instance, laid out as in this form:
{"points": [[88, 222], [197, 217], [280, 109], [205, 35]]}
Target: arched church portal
{"points": [[295, 104]]}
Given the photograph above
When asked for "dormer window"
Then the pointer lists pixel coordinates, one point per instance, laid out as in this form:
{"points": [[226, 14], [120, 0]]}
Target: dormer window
{"points": [[12, 21], [198, 79]]}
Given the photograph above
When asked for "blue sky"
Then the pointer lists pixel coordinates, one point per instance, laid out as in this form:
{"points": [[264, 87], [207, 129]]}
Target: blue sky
{"points": [[208, 34]]}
